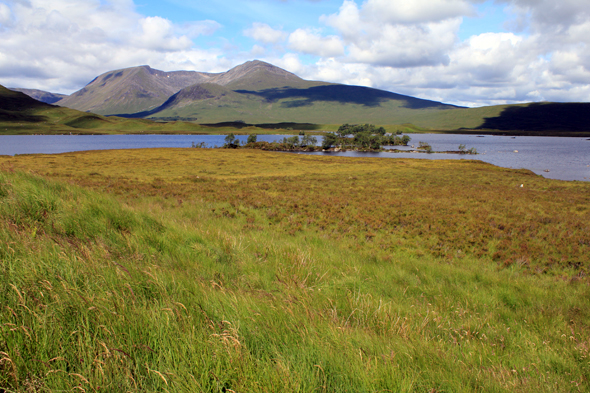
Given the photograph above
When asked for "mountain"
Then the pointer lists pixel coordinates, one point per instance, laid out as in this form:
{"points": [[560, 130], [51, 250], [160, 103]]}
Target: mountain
{"points": [[40, 95], [141, 89], [259, 75], [257, 92], [131, 90]]}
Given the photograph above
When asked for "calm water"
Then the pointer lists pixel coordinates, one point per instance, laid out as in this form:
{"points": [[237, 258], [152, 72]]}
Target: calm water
{"points": [[564, 158]]}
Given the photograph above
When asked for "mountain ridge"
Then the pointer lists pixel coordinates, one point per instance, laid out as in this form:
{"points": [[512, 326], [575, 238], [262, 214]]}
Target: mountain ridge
{"points": [[260, 93], [40, 95], [254, 91], [121, 90]]}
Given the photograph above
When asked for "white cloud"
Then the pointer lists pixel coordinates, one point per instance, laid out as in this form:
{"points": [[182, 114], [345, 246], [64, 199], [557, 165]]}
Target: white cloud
{"points": [[5, 15], [406, 46], [60, 45], [416, 11], [265, 34], [413, 48], [399, 34], [257, 51], [306, 41], [158, 34], [410, 47], [552, 14]]}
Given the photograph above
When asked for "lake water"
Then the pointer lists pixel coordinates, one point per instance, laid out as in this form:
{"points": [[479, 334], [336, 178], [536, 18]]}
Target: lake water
{"points": [[564, 158]]}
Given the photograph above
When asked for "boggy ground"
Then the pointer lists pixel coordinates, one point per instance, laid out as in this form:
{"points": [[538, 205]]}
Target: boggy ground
{"points": [[216, 270], [445, 208]]}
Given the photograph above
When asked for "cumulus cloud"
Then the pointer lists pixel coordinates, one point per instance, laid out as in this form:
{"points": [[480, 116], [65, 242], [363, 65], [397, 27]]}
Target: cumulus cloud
{"points": [[158, 34], [59, 45], [265, 34], [5, 15], [558, 15], [306, 41], [413, 48], [410, 47], [416, 11], [397, 33]]}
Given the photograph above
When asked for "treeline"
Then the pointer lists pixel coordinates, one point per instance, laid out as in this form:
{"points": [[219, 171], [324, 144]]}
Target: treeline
{"points": [[301, 142], [363, 137]]}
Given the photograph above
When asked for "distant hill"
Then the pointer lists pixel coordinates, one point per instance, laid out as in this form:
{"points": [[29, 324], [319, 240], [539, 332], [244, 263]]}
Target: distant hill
{"points": [[21, 114], [541, 116], [40, 95], [17, 106]]}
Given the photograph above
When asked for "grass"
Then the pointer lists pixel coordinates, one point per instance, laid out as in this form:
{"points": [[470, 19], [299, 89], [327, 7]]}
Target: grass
{"points": [[213, 270]]}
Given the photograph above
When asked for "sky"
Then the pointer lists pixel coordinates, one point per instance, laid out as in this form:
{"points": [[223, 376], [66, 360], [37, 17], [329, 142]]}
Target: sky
{"points": [[462, 52]]}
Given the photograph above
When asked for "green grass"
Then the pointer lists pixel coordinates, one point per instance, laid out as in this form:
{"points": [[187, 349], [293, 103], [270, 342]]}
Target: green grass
{"points": [[163, 276]]}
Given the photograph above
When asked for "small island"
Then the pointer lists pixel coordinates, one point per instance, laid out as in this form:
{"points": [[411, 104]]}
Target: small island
{"points": [[361, 138]]}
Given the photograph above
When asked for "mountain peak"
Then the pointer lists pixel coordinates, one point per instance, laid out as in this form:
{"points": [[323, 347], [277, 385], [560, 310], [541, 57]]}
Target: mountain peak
{"points": [[256, 71]]}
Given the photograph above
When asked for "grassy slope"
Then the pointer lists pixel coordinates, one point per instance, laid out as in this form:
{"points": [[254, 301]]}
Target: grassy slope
{"points": [[253, 101], [20, 114], [252, 109], [221, 104], [253, 271]]}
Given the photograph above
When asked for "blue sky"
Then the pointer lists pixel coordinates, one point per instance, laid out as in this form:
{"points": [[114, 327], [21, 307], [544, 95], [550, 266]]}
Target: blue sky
{"points": [[235, 16], [465, 52]]}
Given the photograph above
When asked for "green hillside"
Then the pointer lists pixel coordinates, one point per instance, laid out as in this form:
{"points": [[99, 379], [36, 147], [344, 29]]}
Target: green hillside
{"points": [[21, 114], [300, 102]]}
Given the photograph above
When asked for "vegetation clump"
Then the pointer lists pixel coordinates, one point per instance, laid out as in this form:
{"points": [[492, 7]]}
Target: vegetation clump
{"points": [[464, 150], [425, 146], [301, 142], [231, 141], [365, 137], [252, 138]]}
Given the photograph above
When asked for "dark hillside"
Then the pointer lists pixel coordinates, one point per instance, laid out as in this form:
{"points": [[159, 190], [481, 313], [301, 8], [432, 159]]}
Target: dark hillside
{"points": [[16, 106], [573, 117], [342, 94]]}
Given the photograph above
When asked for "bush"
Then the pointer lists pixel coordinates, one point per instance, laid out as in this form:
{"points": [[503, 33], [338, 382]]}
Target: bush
{"points": [[330, 139], [252, 138], [425, 146], [231, 142], [308, 140]]}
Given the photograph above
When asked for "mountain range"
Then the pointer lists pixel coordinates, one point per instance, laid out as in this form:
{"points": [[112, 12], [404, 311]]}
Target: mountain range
{"points": [[253, 92], [259, 92]]}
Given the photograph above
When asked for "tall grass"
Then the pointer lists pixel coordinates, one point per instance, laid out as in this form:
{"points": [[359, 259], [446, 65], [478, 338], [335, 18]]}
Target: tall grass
{"points": [[173, 290]]}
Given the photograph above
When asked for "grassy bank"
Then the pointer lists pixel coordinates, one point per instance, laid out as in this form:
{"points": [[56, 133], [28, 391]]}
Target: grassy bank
{"points": [[208, 270]]}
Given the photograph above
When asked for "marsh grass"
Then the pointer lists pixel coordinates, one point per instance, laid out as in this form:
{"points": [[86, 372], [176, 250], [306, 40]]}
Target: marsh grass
{"points": [[250, 271]]}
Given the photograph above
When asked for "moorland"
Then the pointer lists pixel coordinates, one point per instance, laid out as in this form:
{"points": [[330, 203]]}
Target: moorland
{"points": [[240, 270]]}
